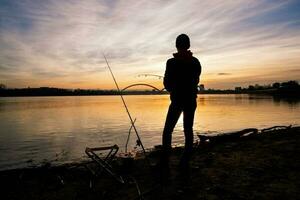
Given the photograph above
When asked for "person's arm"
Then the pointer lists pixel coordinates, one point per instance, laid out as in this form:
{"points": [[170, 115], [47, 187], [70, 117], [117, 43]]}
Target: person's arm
{"points": [[198, 72], [167, 78]]}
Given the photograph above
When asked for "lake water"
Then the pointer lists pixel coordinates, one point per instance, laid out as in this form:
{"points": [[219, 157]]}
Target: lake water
{"points": [[42, 129]]}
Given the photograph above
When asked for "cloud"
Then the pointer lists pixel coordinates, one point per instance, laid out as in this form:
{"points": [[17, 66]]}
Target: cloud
{"points": [[67, 38], [224, 74]]}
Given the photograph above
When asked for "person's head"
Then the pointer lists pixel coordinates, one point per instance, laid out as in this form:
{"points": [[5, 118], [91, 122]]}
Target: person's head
{"points": [[182, 42]]}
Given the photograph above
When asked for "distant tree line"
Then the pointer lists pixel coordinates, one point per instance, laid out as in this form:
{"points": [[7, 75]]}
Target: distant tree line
{"points": [[277, 85], [49, 91], [2, 86], [289, 88], [284, 88]]}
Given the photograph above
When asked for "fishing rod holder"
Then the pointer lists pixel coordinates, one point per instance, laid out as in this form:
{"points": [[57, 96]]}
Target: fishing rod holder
{"points": [[104, 162]]}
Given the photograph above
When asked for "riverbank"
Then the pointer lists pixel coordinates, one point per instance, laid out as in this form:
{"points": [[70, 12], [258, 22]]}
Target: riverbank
{"points": [[261, 166]]}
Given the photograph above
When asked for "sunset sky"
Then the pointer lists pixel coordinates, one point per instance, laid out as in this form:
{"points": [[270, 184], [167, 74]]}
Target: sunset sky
{"points": [[60, 43]]}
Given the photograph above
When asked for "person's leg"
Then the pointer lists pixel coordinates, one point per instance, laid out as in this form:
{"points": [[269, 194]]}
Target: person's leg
{"points": [[188, 122], [171, 120]]}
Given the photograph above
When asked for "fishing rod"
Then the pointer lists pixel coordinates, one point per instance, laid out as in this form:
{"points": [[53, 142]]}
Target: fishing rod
{"points": [[143, 84], [148, 85], [128, 137], [125, 105], [154, 75]]}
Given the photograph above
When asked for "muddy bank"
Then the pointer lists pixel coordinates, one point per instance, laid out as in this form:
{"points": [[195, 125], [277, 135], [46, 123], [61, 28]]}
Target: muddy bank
{"points": [[263, 166]]}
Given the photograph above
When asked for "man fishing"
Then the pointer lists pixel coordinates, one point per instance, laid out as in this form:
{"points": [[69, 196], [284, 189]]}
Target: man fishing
{"points": [[181, 80]]}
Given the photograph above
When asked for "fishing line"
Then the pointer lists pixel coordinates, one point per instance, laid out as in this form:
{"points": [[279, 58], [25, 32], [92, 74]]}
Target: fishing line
{"points": [[128, 137], [143, 84]]}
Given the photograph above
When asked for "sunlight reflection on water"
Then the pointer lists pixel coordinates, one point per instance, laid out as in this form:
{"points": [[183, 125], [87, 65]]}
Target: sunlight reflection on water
{"points": [[35, 129]]}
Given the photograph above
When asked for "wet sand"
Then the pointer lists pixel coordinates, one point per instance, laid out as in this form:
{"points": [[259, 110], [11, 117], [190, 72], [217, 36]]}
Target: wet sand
{"points": [[263, 166]]}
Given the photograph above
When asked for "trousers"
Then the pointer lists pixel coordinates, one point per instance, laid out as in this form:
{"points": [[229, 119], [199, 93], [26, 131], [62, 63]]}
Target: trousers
{"points": [[187, 107]]}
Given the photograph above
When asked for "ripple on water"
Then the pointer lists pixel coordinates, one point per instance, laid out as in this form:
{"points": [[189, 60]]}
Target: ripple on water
{"points": [[35, 129]]}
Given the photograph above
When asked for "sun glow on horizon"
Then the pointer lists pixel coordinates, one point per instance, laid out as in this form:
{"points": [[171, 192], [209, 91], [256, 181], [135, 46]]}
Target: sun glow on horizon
{"points": [[60, 43]]}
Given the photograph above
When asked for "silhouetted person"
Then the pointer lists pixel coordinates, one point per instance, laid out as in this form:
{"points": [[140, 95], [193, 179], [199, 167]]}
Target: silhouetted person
{"points": [[181, 80]]}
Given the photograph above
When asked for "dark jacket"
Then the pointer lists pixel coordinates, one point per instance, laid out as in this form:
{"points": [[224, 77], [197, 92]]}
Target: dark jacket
{"points": [[182, 76]]}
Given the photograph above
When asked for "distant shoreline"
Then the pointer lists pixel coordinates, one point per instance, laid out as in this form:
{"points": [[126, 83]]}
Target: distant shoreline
{"points": [[137, 93], [285, 89]]}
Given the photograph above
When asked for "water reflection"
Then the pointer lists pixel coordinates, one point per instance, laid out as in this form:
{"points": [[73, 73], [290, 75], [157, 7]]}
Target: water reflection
{"points": [[38, 128], [292, 102]]}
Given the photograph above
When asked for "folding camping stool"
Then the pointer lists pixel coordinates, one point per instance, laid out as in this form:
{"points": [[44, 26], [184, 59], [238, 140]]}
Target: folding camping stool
{"points": [[104, 162]]}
